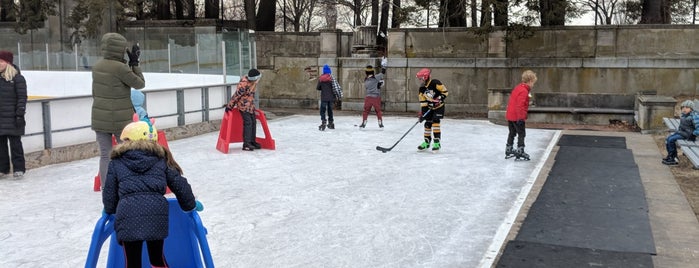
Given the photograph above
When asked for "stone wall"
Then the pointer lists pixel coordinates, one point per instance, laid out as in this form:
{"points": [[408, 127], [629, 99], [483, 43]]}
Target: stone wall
{"points": [[605, 59]]}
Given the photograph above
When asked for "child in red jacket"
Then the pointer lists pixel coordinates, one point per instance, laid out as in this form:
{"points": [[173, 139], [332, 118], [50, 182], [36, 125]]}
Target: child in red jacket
{"points": [[516, 115]]}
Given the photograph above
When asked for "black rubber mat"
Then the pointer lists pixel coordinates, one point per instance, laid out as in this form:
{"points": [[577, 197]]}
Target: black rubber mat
{"points": [[591, 211], [520, 254], [592, 141], [586, 155]]}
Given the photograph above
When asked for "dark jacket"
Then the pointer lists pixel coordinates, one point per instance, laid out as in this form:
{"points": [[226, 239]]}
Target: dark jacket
{"points": [[325, 85], [13, 103], [518, 105], [112, 80], [689, 125], [136, 182]]}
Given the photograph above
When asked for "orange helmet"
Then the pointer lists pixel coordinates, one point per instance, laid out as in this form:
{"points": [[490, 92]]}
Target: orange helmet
{"points": [[423, 74]]}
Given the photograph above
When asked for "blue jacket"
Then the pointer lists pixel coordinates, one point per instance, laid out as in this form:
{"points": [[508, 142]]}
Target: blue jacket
{"points": [[136, 182]]}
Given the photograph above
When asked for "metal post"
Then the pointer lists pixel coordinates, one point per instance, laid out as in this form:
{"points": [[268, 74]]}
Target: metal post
{"points": [[240, 53], [19, 55], [180, 107], [48, 63], [204, 104], [169, 63], [75, 50], [223, 56], [196, 46], [46, 116]]}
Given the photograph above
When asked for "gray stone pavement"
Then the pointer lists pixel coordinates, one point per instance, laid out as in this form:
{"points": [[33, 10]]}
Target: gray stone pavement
{"points": [[675, 227]]}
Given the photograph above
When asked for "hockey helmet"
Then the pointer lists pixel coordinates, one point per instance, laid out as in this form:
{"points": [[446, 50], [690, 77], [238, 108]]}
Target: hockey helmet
{"points": [[139, 130], [423, 74]]}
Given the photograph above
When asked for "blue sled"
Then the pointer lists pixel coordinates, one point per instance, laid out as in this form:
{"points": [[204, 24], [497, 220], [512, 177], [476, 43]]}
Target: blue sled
{"points": [[187, 236]]}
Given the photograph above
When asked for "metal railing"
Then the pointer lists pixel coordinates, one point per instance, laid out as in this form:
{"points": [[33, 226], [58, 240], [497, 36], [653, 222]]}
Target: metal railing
{"points": [[65, 121]]}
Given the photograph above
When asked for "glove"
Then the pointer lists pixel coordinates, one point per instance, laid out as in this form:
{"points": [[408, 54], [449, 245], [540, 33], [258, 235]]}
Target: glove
{"points": [[19, 121], [384, 62], [520, 122], [134, 54], [199, 206], [422, 118]]}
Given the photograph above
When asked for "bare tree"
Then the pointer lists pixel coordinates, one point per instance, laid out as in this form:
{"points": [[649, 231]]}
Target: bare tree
{"points": [[552, 12], [265, 15]]}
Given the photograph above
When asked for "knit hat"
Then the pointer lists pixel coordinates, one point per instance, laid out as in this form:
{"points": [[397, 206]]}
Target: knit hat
{"points": [[326, 69], [6, 56], [688, 103], [254, 75], [369, 69]]}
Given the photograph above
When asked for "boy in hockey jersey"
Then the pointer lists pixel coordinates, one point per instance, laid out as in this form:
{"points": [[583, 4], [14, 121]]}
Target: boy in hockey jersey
{"points": [[688, 130], [432, 94], [516, 114]]}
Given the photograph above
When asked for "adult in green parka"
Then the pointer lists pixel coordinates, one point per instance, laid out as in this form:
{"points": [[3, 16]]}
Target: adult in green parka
{"points": [[112, 80]]}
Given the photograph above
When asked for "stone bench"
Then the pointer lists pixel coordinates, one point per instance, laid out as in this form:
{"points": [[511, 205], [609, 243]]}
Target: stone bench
{"points": [[689, 148], [567, 108]]}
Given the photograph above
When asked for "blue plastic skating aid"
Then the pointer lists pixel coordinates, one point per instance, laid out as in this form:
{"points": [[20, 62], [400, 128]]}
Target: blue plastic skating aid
{"points": [[186, 245]]}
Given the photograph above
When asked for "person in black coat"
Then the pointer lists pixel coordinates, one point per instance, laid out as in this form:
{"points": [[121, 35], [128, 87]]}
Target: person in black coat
{"points": [[139, 173], [13, 104]]}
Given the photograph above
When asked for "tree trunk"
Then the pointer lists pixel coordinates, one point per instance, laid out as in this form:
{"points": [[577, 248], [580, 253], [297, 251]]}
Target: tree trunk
{"points": [[163, 10], [374, 12], [266, 15], [655, 12], [452, 13], [474, 13], [552, 12], [211, 9], [486, 13], [381, 40], [250, 17], [330, 14], [357, 13], [395, 21], [500, 9]]}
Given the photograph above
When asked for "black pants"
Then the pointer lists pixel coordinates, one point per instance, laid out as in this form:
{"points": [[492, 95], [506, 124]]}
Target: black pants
{"points": [[516, 130], [16, 152], [249, 126], [134, 249]]}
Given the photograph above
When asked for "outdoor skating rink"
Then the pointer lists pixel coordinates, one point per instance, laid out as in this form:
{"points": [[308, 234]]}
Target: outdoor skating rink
{"points": [[321, 199]]}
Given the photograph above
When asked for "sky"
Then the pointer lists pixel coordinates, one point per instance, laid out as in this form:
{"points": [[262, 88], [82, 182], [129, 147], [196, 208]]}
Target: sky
{"points": [[320, 199]]}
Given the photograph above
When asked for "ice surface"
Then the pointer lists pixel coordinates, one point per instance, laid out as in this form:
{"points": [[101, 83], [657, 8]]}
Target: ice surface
{"points": [[321, 199]]}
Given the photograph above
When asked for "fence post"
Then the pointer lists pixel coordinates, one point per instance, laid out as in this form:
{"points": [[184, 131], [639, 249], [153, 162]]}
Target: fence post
{"points": [[48, 62], [223, 56], [46, 118], [75, 49], [204, 104], [180, 107]]}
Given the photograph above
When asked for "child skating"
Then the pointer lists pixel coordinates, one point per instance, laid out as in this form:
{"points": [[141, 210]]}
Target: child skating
{"points": [[516, 115], [431, 94]]}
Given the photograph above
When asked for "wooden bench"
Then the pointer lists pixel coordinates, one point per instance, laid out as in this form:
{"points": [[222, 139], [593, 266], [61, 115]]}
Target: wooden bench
{"points": [[689, 148]]}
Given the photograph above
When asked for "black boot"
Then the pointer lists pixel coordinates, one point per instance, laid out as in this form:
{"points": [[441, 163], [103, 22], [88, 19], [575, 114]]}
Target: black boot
{"points": [[256, 145], [671, 160], [322, 126], [331, 124], [248, 147]]}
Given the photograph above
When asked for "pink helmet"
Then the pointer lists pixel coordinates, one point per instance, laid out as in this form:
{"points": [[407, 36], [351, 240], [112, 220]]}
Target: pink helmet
{"points": [[423, 74]]}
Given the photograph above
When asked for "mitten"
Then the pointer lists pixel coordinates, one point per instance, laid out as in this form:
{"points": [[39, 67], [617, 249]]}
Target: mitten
{"points": [[384, 62], [199, 206], [19, 121], [134, 55]]}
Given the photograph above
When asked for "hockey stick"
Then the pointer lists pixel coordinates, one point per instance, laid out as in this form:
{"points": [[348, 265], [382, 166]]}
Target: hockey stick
{"points": [[383, 150]]}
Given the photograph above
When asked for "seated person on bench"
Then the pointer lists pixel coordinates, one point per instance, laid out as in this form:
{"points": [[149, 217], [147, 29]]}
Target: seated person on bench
{"points": [[688, 130]]}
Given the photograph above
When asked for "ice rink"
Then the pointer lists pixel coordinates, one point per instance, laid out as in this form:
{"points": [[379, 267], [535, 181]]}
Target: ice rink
{"points": [[321, 199]]}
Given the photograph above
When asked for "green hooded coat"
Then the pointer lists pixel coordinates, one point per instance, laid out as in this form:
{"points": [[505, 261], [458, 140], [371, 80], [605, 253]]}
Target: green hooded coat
{"points": [[112, 80]]}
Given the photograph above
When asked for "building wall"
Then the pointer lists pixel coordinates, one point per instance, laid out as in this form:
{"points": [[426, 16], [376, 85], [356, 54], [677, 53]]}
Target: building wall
{"points": [[605, 59]]}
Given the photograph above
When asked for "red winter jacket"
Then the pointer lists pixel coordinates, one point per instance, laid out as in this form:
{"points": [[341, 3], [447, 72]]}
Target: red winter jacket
{"points": [[518, 105]]}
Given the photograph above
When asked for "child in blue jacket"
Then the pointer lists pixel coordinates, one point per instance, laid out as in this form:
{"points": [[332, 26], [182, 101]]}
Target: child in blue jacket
{"points": [[688, 130]]}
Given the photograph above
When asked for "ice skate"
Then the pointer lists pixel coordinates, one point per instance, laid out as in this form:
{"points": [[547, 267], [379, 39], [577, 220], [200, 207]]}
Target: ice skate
{"points": [[363, 125], [520, 155], [424, 145], [322, 126], [509, 152], [380, 124], [436, 146], [331, 125]]}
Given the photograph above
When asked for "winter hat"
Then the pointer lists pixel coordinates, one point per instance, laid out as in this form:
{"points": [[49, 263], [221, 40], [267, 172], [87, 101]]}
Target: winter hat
{"points": [[369, 69], [688, 103], [6, 56], [326, 69], [254, 75], [139, 130]]}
